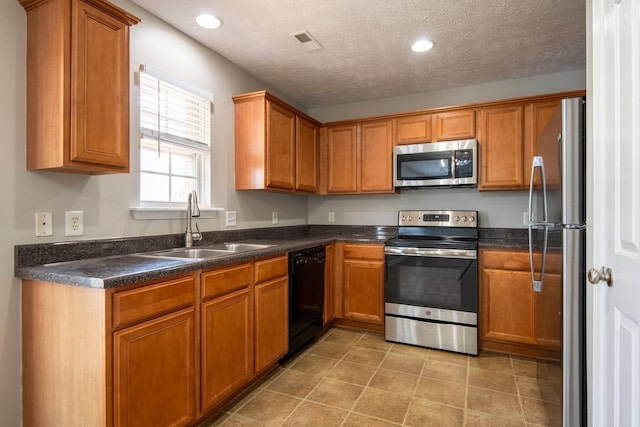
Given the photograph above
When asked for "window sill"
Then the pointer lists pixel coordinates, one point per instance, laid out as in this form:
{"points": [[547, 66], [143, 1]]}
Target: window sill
{"points": [[153, 212]]}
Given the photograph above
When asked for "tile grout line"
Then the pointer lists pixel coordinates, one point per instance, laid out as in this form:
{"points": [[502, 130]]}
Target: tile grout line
{"points": [[524, 419], [415, 388], [365, 386]]}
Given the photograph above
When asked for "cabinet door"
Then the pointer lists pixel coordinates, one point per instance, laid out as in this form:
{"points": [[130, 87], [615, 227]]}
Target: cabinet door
{"points": [[306, 155], [99, 88], [376, 153], [271, 322], [549, 312], [514, 318], [280, 147], [364, 290], [329, 313], [501, 140], [544, 120], [453, 125], [507, 306], [227, 346], [413, 129], [342, 159], [154, 372]]}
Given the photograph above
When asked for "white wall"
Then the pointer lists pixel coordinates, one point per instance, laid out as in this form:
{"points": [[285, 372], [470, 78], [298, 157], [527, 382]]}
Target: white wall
{"points": [[493, 91], [496, 209]]}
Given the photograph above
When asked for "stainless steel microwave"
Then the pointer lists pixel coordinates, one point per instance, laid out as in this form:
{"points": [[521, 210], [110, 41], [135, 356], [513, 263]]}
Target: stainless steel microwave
{"points": [[449, 163]]}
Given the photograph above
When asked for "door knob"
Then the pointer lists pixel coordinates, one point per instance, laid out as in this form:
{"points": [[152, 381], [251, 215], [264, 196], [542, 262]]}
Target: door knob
{"points": [[602, 275]]}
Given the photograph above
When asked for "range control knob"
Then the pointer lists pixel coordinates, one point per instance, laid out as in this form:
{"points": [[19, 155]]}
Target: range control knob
{"points": [[456, 218], [472, 218], [464, 219]]}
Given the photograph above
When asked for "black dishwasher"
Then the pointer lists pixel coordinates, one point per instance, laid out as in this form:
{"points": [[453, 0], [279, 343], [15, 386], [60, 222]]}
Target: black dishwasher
{"points": [[306, 297]]}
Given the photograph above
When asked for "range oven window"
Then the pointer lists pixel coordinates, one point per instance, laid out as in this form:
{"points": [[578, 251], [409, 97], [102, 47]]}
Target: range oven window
{"points": [[447, 283], [425, 166]]}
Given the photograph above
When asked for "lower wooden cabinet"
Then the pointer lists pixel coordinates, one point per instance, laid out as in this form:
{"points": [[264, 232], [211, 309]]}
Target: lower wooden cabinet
{"points": [[157, 353], [154, 372], [328, 309], [363, 282], [514, 318], [272, 322], [227, 346], [271, 311]]}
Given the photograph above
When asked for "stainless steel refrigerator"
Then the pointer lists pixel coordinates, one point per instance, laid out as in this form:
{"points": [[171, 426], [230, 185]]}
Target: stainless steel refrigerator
{"points": [[557, 219]]}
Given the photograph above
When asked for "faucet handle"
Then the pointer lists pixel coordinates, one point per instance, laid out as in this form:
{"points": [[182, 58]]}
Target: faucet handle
{"points": [[197, 236]]}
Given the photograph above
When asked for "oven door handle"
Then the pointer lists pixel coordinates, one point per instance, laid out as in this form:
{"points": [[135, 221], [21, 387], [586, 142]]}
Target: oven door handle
{"points": [[432, 252]]}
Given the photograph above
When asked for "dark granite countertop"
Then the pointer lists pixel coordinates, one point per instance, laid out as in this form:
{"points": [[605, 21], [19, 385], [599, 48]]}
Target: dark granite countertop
{"points": [[115, 262], [108, 263], [118, 270]]}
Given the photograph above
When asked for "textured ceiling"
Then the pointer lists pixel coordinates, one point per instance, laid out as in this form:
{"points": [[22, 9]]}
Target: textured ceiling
{"points": [[366, 43]]}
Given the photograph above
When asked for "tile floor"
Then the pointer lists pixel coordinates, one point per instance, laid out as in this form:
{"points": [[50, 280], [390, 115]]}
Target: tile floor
{"points": [[356, 378]]}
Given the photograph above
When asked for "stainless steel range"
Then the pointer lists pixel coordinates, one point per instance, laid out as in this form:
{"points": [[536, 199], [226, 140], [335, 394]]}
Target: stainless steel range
{"points": [[431, 281]]}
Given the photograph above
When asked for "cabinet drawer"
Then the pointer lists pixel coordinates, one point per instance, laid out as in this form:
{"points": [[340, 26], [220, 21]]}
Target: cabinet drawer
{"points": [[518, 260], [271, 268], [225, 280], [360, 251], [149, 301]]}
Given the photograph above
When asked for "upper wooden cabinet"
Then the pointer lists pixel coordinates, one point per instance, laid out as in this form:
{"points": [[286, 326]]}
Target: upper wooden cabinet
{"points": [[358, 157], [508, 133], [501, 140], [413, 129], [433, 127], [275, 145], [306, 155], [77, 86], [452, 125], [342, 158]]}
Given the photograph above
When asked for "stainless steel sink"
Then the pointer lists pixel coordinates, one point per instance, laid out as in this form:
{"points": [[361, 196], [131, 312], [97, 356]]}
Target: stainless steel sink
{"points": [[240, 247], [204, 252], [191, 253]]}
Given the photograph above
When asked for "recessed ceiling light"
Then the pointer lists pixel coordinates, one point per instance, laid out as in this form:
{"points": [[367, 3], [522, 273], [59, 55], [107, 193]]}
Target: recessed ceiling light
{"points": [[422, 46], [208, 21]]}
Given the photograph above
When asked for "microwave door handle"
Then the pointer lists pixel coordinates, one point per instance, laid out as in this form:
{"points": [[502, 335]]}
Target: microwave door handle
{"points": [[453, 164]]}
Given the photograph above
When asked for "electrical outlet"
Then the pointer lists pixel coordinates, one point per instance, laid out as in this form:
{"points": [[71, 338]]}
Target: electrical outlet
{"points": [[231, 218], [73, 223], [332, 216], [274, 217], [44, 224]]}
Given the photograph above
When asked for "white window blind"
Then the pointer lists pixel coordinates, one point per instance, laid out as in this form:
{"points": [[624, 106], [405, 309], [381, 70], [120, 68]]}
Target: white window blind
{"points": [[175, 126], [173, 114]]}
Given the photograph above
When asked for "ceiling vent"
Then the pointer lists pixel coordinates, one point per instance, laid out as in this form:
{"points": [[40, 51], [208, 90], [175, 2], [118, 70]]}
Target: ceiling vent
{"points": [[307, 40]]}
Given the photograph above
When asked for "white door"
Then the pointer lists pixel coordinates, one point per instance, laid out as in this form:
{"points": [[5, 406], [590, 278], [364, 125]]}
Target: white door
{"points": [[613, 313]]}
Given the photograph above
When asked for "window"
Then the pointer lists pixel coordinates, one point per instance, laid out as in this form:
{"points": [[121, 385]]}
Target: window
{"points": [[175, 125]]}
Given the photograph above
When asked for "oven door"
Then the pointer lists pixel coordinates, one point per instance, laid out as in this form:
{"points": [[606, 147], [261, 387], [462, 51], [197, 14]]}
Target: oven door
{"points": [[440, 286]]}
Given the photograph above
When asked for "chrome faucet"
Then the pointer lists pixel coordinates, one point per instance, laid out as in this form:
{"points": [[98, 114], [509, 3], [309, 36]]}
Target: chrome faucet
{"points": [[192, 211]]}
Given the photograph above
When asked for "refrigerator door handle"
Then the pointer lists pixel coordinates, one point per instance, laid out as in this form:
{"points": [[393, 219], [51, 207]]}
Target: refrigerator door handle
{"points": [[538, 163], [537, 283]]}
